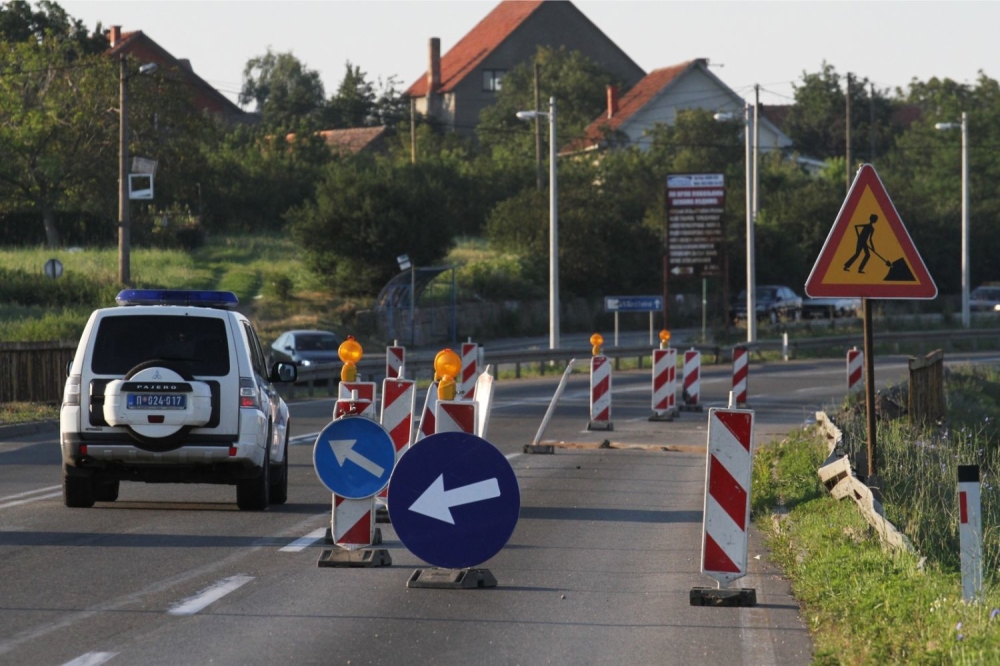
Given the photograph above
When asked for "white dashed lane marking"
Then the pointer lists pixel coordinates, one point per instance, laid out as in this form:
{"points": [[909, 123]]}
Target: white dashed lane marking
{"points": [[210, 595]]}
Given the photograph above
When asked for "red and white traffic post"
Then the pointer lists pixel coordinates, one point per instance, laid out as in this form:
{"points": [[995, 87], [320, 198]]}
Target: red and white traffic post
{"points": [[691, 392], [470, 370], [741, 372], [355, 399], [664, 380], [970, 532], [600, 387], [398, 400], [855, 371], [727, 508], [395, 357], [456, 416]]}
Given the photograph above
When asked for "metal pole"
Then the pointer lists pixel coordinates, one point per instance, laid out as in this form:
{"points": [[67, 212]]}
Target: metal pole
{"points": [[965, 220], [538, 132], [751, 286], [124, 223], [553, 232], [866, 305], [413, 303]]}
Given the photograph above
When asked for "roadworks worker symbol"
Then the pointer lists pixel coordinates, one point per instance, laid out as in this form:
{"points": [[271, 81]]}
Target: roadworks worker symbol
{"points": [[869, 252]]}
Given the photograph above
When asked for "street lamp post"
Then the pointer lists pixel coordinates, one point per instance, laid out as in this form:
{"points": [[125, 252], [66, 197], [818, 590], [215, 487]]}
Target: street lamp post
{"points": [[553, 221], [124, 212], [751, 197], [964, 125]]}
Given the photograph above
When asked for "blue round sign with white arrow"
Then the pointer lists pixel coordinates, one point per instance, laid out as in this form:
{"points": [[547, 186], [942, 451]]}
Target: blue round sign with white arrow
{"points": [[353, 457], [454, 500]]}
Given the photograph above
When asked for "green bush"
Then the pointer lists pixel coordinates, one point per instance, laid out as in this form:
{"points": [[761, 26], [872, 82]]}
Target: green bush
{"points": [[19, 287], [244, 282], [278, 286]]}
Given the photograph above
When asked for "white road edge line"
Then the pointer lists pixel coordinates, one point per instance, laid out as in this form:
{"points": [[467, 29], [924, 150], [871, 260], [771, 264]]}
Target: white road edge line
{"points": [[29, 492], [302, 543], [31, 499], [210, 595], [91, 659]]}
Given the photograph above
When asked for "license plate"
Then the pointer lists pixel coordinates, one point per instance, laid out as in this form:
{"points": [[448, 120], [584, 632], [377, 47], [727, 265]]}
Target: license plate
{"points": [[156, 401]]}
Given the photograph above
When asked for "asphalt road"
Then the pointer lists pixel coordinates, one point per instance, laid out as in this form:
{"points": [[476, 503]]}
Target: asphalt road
{"points": [[598, 570]]}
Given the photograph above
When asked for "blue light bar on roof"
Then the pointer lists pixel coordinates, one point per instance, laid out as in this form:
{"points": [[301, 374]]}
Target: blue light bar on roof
{"points": [[225, 300]]}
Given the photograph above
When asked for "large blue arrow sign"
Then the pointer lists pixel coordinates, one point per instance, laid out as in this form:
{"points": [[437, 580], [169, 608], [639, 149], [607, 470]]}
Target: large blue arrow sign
{"points": [[454, 500], [353, 457]]}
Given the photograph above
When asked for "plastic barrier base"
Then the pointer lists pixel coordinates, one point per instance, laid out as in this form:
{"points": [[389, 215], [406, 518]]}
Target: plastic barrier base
{"points": [[452, 579], [690, 408], [712, 596], [339, 557], [601, 425], [539, 448], [665, 416]]}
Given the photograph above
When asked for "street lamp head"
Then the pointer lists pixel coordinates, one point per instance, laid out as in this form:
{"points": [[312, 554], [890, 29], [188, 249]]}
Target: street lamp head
{"points": [[529, 115], [946, 126], [723, 116], [148, 68]]}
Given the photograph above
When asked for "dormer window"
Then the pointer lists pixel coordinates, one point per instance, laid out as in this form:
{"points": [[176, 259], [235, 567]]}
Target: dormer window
{"points": [[492, 79]]}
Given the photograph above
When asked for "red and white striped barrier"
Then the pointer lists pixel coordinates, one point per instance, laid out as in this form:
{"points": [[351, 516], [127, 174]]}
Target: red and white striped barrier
{"points": [[350, 407], [395, 356], [456, 416], [426, 427], [691, 390], [600, 394], [365, 393], [970, 532], [664, 384], [470, 370], [353, 522], [398, 400], [727, 494], [855, 370], [741, 372]]}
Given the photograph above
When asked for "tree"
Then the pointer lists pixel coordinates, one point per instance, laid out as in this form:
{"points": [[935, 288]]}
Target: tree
{"points": [[19, 23], [366, 212], [282, 88]]}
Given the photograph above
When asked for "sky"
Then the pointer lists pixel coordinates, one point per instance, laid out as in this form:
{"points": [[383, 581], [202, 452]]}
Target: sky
{"points": [[747, 42]]}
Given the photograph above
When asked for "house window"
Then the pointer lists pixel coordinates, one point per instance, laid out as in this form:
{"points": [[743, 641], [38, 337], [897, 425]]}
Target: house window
{"points": [[492, 79]]}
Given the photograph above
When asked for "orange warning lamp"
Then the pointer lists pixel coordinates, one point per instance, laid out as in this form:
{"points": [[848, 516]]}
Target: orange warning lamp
{"points": [[664, 338], [350, 353], [447, 365], [597, 340]]}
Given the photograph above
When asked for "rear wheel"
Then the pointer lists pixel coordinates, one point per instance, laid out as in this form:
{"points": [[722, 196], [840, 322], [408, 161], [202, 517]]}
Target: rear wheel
{"points": [[78, 491], [252, 494]]}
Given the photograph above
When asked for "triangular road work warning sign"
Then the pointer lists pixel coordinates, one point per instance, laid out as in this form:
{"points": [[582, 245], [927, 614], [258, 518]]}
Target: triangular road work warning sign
{"points": [[869, 252]]}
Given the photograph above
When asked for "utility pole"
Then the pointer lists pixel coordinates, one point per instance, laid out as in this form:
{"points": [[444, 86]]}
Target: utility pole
{"points": [[124, 221], [847, 131], [413, 130], [538, 132], [871, 125]]}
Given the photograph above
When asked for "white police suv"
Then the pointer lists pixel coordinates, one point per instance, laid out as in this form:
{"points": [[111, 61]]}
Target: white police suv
{"points": [[172, 386]]}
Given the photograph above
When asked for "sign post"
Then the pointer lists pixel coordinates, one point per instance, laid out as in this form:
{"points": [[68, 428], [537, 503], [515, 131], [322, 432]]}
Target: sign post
{"points": [[869, 254], [648, 304]]}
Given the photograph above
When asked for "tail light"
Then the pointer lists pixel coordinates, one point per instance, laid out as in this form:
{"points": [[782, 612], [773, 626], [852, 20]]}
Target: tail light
{"points": [[249, 397], [71, 392]]}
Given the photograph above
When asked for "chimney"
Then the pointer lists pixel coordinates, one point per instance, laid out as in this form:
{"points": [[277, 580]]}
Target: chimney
{"points": [[434, 69], [115, 35], [612, 101]]}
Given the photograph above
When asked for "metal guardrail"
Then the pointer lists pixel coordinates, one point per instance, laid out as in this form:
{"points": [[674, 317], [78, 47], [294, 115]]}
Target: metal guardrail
{"points": [[420, 365]]}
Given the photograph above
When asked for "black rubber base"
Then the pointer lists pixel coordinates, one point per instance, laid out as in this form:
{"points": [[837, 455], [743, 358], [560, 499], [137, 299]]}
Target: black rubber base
{"points": [[667, 416], [690, 408], [711, 596], [600, 425], [539, 448], [452, 579], [368, 557]]}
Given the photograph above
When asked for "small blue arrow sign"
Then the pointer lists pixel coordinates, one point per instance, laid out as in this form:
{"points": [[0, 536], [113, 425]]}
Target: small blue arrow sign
{"points": [[353, 457], [633, 303], [454, 500]]}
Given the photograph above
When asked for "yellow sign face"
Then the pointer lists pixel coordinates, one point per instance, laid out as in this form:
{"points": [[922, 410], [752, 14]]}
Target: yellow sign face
{"points": [[868, 252]]}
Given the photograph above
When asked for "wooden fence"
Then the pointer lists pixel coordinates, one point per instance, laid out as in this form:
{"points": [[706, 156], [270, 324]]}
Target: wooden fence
{"points": [[34, 371], [926, 394]]}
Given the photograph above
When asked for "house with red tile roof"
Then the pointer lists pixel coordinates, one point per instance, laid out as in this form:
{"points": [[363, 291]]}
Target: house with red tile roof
{"points": [[140, 46], [354, 140], [459, 85], [657, 99]]}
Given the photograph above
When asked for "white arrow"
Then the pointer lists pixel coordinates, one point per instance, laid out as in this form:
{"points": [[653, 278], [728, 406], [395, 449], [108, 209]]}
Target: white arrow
{"points": [[436, 502], [343, 450]]}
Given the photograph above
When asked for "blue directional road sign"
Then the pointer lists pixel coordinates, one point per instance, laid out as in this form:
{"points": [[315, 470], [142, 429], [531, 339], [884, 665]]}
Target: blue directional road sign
{"points": [[454, 500], [353, 457], [633, 303]]}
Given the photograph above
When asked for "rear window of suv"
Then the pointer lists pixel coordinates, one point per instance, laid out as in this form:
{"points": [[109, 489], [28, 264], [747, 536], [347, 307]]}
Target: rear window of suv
{"points": [[198, 344]]}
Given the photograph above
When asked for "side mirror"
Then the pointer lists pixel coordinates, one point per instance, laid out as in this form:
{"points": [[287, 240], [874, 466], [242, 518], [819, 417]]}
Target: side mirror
{"points": [[284, 372], [69, 368]]}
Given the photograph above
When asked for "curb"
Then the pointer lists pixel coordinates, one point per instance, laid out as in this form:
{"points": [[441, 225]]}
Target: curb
{"points": [[22, 429]]}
